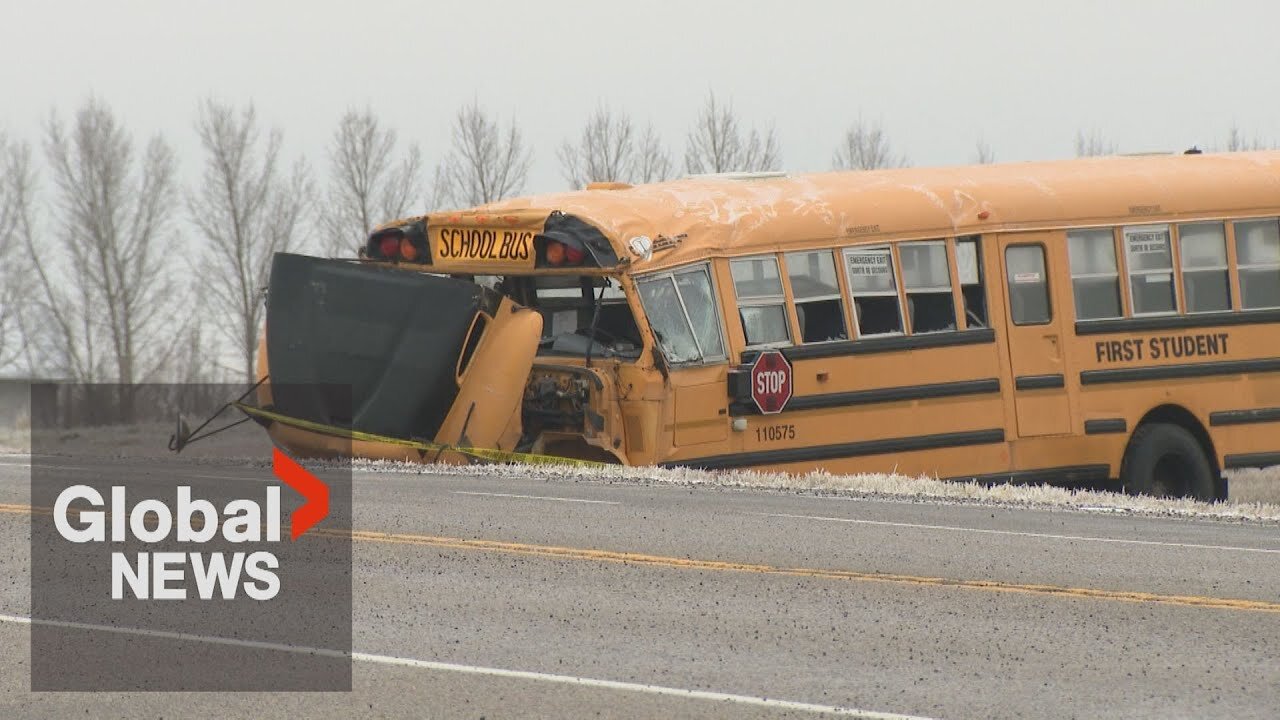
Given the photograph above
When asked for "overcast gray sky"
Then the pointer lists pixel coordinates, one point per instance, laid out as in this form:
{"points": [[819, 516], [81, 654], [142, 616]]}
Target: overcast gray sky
{"points": [[938, 75]]}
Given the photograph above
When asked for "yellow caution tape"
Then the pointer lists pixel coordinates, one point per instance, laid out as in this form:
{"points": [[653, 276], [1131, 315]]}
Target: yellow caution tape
{"points": [[487, 454]]}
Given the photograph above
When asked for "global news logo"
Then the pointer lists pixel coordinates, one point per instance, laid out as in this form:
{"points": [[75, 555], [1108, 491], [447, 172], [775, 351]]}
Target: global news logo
{"points": [[83, 515]]}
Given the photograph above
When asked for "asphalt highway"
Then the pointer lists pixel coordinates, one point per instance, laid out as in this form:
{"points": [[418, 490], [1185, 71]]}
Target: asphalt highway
{"points": [[479, 597]]}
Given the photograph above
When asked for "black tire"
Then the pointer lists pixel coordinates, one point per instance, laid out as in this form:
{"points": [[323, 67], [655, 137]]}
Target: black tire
{"points": [[1166, 461]]}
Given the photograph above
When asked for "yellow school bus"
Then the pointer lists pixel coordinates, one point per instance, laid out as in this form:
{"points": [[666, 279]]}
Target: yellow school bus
{"points": [[1074, 321]]}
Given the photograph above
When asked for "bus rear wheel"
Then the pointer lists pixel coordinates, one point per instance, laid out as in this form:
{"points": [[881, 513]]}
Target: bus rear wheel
{"points": [[1165, 460]]}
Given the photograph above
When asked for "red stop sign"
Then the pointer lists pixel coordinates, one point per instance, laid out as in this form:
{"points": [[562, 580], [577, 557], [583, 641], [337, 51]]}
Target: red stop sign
{"points": [[771, 382]]}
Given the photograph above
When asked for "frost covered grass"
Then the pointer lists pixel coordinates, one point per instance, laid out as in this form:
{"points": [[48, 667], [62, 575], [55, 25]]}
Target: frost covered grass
{"points": [[1254, 494], [885, 486]]}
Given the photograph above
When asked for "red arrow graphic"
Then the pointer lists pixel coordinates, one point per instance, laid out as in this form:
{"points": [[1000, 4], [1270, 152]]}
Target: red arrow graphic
{"points": [[316, 493]]}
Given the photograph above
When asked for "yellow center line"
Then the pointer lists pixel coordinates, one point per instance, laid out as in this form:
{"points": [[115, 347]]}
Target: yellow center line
{"points": [[643, 559]]}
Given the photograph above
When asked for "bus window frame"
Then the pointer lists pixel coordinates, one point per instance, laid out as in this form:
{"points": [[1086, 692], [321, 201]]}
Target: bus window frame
{"points": [[795, 301], [933, 289], [781, 301], [961, 301], [1120, 271], [1048, 280], [890, 248], [670, 275], [1226, 268], [1239, 266], [1130, 273]]}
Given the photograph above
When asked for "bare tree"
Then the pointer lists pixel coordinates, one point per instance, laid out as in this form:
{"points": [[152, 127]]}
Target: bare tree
{"points": [[18, 324], [717, 143], [608, 150], [982, 153], [246, 210], [114, 214], [1237, 142], [866, 147], [653, 164], [1093, 144], [367, 184], [485, 163]]}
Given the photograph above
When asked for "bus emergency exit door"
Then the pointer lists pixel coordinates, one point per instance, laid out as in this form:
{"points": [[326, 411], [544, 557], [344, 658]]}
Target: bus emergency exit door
{"points": [[1034, 328]]}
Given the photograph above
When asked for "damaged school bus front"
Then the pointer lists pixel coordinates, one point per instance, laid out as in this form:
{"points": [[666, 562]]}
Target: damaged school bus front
{"points": [[454, 339]]}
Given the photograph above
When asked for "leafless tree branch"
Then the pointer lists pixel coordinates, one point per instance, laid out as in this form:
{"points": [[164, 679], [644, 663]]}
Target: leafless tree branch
{"points": [[982, 153], [717, 143], [1238, 142], [485, 162], [367, 186], [1093, 144], [245, 213], [19, 323], [609, 150], [114, 214], [866, 147]]}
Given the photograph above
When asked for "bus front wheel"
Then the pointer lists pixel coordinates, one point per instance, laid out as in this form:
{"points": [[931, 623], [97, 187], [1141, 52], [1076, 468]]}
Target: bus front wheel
{"points": [[1165, 460]]}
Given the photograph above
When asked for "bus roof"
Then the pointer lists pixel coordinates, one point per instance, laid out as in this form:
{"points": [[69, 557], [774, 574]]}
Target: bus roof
{"points": [[700, 217]]}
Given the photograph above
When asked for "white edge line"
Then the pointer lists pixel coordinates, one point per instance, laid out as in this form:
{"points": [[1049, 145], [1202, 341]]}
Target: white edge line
{"points": [[536, 497], [1017, 533], [478, 670], [75, 468]]}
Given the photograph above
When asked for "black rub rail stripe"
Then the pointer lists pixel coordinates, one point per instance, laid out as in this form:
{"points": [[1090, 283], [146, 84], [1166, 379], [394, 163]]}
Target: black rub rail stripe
{"points": [[842, 450], [1245, 417], [1177, 322], [877, 395], [866, 346], [1064, 474], [1168, 372], [1251, 460], [1104, 426], [1039, 382]]}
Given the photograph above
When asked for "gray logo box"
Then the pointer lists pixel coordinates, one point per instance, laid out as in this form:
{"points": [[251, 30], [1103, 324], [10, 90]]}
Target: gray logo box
{"points": [[103, 437]]}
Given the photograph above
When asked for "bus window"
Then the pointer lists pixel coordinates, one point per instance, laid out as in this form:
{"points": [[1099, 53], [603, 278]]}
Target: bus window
{"points": [[761, 304], [667, 317], [1028, 285], [817, 296], [969, 266], [1258, 252], [700, 303], [875, 292], [927, 281], [572, 323], [1149, 261], [681, 308], [1205, 273], [1094, 280]]}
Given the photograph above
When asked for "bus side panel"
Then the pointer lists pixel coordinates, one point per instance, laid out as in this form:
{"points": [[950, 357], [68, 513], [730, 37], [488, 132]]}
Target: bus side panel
{"points": [[901, 411], [958, 463], [640, 404], [1239, 408]]}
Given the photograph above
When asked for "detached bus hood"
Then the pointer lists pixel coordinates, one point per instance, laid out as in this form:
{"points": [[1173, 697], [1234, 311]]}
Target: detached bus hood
{"points": [[367, 348]]}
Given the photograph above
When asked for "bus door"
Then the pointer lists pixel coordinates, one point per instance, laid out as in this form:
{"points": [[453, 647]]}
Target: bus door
{"points": [[683, 312], [1035, 333], [701, 405]]}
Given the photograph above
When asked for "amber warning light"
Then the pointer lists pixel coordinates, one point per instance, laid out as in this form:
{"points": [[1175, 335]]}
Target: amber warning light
{"points": [[559, 253]]}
